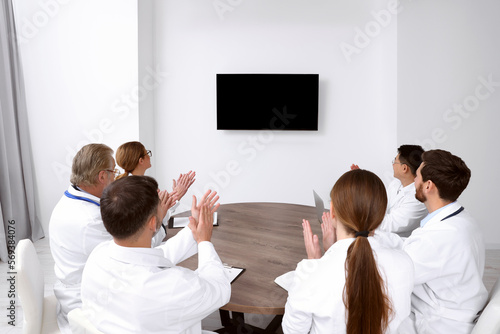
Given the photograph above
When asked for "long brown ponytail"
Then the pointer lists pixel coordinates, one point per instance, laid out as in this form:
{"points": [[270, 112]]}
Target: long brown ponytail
{"points": [[128, 155], [359, 200]]}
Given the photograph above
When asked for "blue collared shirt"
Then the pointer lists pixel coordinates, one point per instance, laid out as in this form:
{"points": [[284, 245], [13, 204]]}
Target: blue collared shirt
{"points": [[430, 215]]}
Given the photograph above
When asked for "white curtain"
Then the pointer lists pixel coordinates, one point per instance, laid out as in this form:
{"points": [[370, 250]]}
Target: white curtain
{"points": [[17, 200]]}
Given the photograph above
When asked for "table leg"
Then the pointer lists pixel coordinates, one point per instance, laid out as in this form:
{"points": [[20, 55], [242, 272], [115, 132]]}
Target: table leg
{"points": [[274, 325], [236, 324], [225, 319]]}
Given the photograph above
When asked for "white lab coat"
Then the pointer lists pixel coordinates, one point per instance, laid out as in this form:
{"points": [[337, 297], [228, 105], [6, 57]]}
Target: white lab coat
{"points": [[404, 211], [140, 290], [315, 298], [75, 229], [448, 257]]}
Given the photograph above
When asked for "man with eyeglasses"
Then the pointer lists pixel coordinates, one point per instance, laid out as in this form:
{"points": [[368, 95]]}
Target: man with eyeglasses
{"points": [[76, 226], [404, 211], [447, 250]]}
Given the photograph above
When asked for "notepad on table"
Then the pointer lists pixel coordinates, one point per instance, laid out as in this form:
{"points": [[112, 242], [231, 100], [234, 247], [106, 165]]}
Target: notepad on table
{"points": [[233, 272]]}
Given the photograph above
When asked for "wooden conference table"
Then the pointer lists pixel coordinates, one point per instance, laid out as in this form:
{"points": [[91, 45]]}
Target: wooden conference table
{"points": [[266, 239]]}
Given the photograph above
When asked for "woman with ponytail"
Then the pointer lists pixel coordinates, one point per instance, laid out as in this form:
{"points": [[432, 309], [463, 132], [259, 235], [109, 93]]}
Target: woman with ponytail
{"points": [[359, 285], [134, 159]]}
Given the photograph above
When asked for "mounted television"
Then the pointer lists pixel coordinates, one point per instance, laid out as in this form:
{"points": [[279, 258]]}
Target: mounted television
{"points": [[267, 101]]}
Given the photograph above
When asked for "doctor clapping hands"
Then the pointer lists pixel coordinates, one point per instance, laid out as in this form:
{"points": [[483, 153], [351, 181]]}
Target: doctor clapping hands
{"points": [[311, 240], [135, 160], [342, 290], [177, 298], [180, 187], [202, 216], [167, 200]]}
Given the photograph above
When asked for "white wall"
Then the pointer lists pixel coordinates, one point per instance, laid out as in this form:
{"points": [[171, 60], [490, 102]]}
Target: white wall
{"points": [[195, 40], [146, 45], [83, 84], [80, 65], [446, 51]]}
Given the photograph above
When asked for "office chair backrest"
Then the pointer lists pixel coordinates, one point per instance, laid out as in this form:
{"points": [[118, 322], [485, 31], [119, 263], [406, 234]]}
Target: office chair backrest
{"points": [[489, 320], [30, 284]]}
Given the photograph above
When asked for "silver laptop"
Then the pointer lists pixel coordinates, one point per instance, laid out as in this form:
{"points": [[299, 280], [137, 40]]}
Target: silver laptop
{"points": [[320, 206]]}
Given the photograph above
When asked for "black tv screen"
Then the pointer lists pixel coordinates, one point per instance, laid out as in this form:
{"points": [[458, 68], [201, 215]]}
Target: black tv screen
{"points": [[267, 101]]}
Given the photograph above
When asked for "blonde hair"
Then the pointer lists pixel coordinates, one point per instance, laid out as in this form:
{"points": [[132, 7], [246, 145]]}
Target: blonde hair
{"points": [[88, 162], [128, 155]]}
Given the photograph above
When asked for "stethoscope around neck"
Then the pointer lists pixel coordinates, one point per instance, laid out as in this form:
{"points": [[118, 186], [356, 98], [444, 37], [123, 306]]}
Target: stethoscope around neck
{"points": [[67, 194]]}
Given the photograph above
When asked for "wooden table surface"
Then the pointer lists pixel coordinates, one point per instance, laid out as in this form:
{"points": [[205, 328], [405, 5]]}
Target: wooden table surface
{"points": [[264, 238]]}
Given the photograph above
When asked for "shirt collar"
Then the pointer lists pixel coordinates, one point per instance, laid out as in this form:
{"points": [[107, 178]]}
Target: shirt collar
{"points": [[434, 213], [76, 191], [409, 188], [147, 257]]}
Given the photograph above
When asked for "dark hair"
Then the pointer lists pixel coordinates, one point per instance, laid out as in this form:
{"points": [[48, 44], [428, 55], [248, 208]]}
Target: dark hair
{"points": [[448, 172], [127, 204], [359, 200], [411, 155]]}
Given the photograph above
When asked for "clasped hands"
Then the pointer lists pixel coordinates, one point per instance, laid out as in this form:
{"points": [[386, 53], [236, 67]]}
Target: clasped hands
{"points": [[311, 240]]}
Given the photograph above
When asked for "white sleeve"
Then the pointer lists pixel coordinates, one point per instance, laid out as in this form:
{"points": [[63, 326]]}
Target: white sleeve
{"points": [[298, 314], [203, 291], [405, 217], [158, 238], [429, 251], [211, 270], [389, 240], [180, 247], [296, 318], [170, 213]]}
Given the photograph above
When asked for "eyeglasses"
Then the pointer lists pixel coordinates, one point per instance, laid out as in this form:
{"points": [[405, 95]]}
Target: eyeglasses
{"points": [[115, 171], [396, 162], [148, 152]]}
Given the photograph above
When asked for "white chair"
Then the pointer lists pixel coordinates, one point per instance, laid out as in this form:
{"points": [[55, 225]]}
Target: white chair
{"points": [[80, 324], [39, 312], [489, 320]]}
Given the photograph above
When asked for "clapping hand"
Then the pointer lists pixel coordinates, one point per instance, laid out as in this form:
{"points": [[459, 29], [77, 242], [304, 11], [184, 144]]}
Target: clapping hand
{"points": [[329, 231], [202, 229], [210, 198], [166, 202], [202, 216], [181, 186], [311, 241]]}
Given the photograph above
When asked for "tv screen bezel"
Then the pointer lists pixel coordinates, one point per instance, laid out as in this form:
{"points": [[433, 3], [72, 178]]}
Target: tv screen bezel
{"points": [[284, 127]]}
